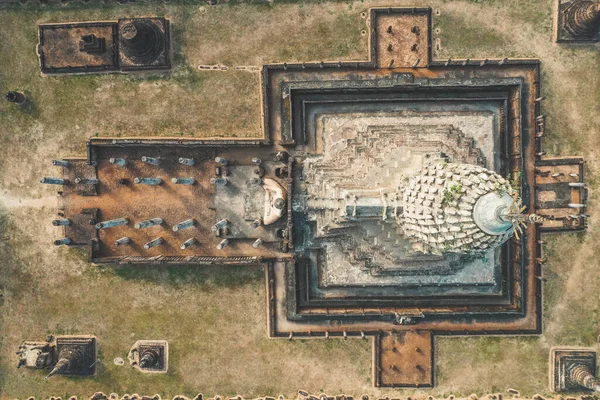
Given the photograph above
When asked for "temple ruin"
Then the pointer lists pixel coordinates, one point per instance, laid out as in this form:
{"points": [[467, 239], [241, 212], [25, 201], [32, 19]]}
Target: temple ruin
{"points": [[61, 355], [130, 44], [578, 21], [573, 369], [400, 197], [150, 356]]}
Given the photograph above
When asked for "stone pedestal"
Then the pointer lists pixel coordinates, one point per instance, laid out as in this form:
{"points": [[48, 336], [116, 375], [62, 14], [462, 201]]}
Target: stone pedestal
{"points": [[578, 21], [566, 364], [150, 356]]}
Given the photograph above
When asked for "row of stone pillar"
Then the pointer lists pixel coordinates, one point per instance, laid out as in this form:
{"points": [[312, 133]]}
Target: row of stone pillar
{"points": [[153, 181], [155, 242], [159, 240], [141, 181], [182, 160], [188, 223], [122, 162]]}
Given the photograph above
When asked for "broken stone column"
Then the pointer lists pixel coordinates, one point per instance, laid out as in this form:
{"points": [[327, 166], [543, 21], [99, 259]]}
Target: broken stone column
{"points": [[186, 161], [122, 241], [63, 364], [257, 243], [65, 241], [221, 160], [151, 160], [188, 223], [183, 181], [61, 222], [112, 223], [581, 375], [148, 223], [583, 18], [148, 359], [256, 161], [153, 243], [148, 181], [220, 224], [223, 244], [188, 243], [52, 181], [118, 161], [219, 181], [86, 181], [60, 163]]}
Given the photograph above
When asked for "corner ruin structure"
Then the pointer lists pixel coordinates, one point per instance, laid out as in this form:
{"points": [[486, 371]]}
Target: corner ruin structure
{"points": [[400, 197], [578, 21]]}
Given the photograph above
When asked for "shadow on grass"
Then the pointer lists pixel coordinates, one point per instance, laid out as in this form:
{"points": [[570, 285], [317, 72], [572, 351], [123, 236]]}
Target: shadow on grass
{"points": [[193, 275]]}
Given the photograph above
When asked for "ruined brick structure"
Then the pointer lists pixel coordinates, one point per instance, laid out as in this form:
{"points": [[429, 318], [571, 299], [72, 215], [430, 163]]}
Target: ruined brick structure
{"points": [[578, 21], [130, 44]]}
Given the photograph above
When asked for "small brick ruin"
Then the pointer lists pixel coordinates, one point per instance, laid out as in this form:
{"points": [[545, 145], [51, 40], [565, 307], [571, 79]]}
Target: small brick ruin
{"points": [[129, 44]]}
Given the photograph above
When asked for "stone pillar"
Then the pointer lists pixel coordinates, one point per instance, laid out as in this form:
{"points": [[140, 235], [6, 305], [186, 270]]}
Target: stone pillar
{"points": [[141, 41], [221, 160], [153, 243], [581, 375], [63, 365], [118, 161], [223, 244], [52, 181], [148, 358], [65, 241], [112, 223], [188, 243], [188, 223], [60, 163], [256, 161], [220, 224], [583, 18], [257, 222], [16, 97], [148, 223], [61, 222], [183, 181], [151, 160], [86, 181], [122, 241], [257, 243], [186, 161], [219, 181], [148, 181]]}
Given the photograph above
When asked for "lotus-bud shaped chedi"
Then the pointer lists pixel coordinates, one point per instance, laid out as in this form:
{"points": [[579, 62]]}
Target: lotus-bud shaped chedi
{"points": [[442, 208], [459, 208]]}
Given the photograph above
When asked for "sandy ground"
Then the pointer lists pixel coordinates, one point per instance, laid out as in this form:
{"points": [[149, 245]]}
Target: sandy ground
{"points": [[214, 318]]}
